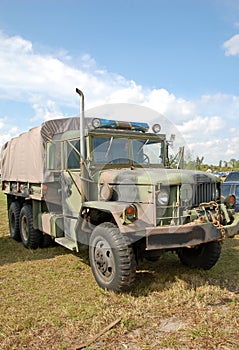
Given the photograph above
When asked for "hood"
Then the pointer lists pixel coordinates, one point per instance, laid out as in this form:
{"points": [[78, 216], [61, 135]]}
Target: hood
{"points": [[156, 176]]}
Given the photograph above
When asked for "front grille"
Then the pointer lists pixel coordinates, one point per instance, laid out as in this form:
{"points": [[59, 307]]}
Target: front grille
{"points": [[203, 192], [204, 189]]}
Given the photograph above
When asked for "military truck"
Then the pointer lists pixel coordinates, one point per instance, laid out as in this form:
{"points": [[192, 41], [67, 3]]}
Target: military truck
{"points": [[108, 185]]}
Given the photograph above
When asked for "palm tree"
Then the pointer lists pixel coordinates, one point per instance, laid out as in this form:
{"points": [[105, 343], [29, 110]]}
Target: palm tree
{"points": [[232, 162]]}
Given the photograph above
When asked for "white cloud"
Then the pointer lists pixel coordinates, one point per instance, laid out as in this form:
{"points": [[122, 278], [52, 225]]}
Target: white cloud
{"points": [[46, 110], [169, 105], [128, 94], [231, 46], [1, 124], [204, 125], [211, 138], [15, 44], [29, 76], [25, 74], [7, 131], [47, 82]]}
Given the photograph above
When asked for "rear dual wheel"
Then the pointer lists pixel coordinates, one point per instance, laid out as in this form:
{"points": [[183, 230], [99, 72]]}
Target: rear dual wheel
{"points": [[31, 238], [21, 227], [13, 220]]}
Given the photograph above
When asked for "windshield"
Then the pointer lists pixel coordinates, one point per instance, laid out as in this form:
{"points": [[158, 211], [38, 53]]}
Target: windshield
{"points": [[233, 176], [113, 150]]}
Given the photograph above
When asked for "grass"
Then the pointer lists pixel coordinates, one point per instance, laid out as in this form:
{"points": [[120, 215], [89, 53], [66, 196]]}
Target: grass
{"points": [[50, 300]]}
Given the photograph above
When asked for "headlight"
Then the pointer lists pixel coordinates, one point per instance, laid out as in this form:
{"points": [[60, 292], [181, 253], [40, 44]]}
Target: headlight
{"points": [[162, 197]]}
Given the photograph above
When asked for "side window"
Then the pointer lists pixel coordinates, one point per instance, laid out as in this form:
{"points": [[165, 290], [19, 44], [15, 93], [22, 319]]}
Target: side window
{"points": [[53, 155], [73, 154], [101, 145]]}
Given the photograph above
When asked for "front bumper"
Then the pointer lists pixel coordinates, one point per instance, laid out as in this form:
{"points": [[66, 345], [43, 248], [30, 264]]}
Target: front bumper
{"points": [[188, 235]]}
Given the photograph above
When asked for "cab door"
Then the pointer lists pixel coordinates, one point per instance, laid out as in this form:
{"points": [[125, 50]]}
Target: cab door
{"points": [[71, 186]]}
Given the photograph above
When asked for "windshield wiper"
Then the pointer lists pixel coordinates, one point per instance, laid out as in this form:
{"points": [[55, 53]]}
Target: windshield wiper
{"points": [[109, 146], [140, 149]]}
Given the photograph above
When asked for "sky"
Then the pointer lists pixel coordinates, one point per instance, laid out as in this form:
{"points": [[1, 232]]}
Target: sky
{"points": [[178, 57]]}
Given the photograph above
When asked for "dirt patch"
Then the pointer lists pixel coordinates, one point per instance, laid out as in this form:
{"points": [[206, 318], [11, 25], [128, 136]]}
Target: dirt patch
{"points": [[171, 324]]}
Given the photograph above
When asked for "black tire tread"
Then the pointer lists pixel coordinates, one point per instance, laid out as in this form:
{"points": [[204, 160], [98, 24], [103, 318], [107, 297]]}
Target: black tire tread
{"points": [[35, 236], [210, 253], [46, 241], [127, 265], [14, 209]]}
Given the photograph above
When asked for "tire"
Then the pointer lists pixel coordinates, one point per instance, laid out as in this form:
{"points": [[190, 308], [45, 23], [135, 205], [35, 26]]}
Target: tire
{"points": [[152, 255], [111, 258], [31, 238], [46, 241], [203, 256], [13, 220]]}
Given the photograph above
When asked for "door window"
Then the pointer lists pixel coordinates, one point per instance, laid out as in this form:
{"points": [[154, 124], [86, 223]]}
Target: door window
{"points": [[73, 154]]}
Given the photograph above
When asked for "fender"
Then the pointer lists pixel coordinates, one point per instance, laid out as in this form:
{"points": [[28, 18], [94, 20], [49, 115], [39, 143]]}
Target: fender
{"points": [[114, 208]]}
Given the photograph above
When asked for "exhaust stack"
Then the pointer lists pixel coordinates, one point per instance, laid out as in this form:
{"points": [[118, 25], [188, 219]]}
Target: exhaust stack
{"points": [[82, 118]]}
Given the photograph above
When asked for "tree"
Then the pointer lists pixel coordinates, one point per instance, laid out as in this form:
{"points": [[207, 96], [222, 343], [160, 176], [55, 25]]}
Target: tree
{"points": [[199, 162], [232, 162]]}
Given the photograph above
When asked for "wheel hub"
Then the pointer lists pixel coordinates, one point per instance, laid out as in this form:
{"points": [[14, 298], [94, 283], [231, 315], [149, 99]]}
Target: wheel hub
{"points": [[104, 259], [101, 261]]}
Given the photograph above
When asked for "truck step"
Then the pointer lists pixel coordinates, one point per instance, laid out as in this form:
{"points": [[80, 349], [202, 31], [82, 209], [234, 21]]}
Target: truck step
{"points": [[66, 242]]}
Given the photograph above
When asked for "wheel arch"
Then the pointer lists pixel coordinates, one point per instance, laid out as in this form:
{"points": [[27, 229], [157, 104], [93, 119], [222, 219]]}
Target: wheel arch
{"points": [[89, 218], [12, 198], [101, 211]]}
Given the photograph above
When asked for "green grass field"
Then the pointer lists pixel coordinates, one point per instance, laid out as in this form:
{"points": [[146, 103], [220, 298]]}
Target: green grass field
{"points": [[50, 300]]}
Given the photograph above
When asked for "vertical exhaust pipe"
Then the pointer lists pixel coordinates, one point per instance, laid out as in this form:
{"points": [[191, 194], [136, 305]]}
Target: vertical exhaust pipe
{"points": [[82, 119]]}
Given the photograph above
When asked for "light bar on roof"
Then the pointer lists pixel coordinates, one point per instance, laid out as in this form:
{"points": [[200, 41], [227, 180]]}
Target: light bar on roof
{"points": [[113, 124]]}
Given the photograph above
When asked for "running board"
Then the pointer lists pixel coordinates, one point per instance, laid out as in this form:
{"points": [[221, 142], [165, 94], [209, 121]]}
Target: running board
{"points": [[66, 242]]}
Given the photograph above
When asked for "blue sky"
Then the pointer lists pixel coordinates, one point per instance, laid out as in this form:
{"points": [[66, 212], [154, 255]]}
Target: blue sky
{"points": [[179, 57]]}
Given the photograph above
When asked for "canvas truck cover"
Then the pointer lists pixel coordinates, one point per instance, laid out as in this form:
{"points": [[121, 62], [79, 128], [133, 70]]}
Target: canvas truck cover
{"points": [[22, 158]]}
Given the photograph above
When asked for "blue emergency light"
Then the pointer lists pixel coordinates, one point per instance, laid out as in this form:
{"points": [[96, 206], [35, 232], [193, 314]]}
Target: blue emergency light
{"points": [[113, 124]]}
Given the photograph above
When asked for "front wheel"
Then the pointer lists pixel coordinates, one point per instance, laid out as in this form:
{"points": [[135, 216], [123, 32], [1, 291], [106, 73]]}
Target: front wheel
{"points": [[31, 238], [202, 256], [111, 258]]}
